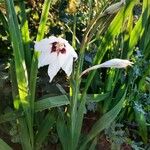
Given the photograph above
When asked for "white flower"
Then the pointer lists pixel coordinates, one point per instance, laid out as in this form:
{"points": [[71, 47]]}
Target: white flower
{"points": [[57, 53], [115, 63]]}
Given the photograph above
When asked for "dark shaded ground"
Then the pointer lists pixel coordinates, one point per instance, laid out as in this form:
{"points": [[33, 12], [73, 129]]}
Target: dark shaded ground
{"points": [[7, 139]]}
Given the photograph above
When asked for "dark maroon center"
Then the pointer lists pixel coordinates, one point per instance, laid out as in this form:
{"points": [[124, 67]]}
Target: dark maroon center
{"points": [[58, 48]]}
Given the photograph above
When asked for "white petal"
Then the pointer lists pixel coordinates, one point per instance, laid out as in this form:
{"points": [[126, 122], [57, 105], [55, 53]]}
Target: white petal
{"points": [[44, 59], [53, 39], [67, 67], [66, 60], [61, 40], [53, 67], [70, 53], [117, 63], [69, 48], [43, 45], [53, 70]]}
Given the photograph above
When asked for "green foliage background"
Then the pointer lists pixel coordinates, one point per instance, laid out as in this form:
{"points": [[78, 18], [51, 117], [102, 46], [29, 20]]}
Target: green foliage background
{"points": [[98, 33]]}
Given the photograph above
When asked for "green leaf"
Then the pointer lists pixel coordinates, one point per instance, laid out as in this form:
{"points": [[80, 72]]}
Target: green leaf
{"points": [[63, 133], [4, 21], [14, 85], [44, 17], [25, 35], [113, 30], [20, 66], [95, 97], [40, 105], [24, 134], [44, 129], [4, 146], [93, 145], [32, 83], [139, 28], [141, 120], [21, 72], [51, 102], [104, 122]]}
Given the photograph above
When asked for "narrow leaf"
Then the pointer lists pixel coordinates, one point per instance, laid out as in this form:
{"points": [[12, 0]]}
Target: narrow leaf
{"points": [[20, 66], [93, 145], [24, 134], [51, 102], [95, 97], [139, 28], [25, 34], [44, 17], [4, 146], [141, 120], [32, 83], [4, 21], [104, 122], [63, 133], [44, 129]]}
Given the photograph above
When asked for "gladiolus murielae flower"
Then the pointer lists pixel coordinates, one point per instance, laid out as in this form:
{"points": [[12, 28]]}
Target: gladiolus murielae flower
{"points": [[115, 63], [57, 53]]}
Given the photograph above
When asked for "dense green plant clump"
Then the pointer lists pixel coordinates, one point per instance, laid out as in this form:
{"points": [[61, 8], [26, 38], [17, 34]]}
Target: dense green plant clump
{"points": [[75, 75]]}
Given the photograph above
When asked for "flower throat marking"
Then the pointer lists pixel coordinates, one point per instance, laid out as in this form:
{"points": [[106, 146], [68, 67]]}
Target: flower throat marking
{"points": [[58, 48]]}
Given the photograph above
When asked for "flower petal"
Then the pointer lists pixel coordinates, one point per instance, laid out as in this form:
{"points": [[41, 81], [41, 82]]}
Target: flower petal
{"points": [[67, 67], [54, 66], [66, 62], [71, 50], [43, 45], [53, 39], [44, 59], [70, 53], [117, 63]]}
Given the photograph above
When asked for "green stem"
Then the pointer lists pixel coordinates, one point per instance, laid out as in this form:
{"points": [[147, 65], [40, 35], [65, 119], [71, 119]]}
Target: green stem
{"points": [[78, 80], [32, 87]]}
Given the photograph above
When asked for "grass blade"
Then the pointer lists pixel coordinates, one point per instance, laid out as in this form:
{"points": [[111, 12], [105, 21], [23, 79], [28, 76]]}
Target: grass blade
{"points": [[113, 30], [4, 22], [14, 85], [63, 133], [32, 84], [93, 145], [95, 97], [44, 16], [25, 35], [104, 121], [4, 146], [44, 129], [20, 66], [139, 28], [141, 120], [24, 134], [51, 102]]}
